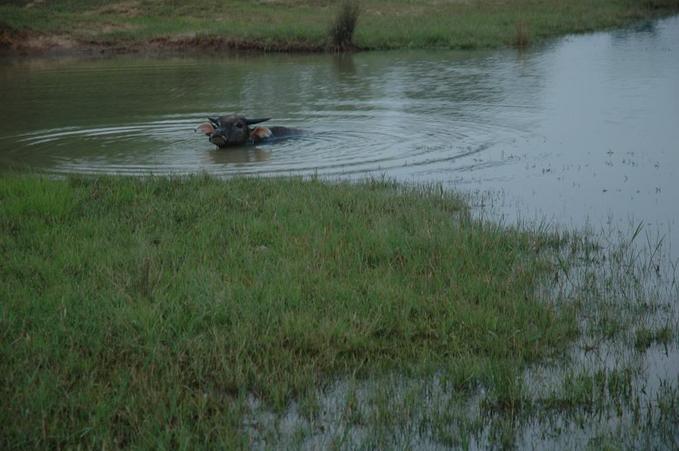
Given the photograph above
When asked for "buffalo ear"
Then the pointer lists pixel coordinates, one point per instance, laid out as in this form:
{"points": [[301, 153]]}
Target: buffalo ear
{"points": [[256, 121], [206, 128]]}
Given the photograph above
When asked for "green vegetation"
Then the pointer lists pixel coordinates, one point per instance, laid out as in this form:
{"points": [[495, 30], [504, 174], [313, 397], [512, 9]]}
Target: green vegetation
{"points": [[304, 24], [144, 311], [187, 312]]}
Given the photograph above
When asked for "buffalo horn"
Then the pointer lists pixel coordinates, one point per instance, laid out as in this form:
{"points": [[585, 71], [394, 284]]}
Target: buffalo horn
{"points": [[256, 121]]}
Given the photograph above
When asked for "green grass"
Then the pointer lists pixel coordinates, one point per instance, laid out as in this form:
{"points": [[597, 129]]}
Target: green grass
{"points": [[304, 24], [144, 312]]}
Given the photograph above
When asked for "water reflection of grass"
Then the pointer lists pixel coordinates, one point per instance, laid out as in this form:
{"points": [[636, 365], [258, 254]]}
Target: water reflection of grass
{"points": [[181, 312], [303, 25]]}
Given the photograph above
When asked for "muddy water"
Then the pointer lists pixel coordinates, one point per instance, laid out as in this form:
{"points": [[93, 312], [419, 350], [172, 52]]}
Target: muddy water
{"points": [[579, 131]]}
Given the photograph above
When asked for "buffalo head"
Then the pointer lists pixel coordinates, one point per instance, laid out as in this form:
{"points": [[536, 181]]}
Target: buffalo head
{"points": [[229, 130]]}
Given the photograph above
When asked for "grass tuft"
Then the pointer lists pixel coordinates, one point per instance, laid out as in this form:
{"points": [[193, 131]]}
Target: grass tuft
{"points": [[645, 337]]}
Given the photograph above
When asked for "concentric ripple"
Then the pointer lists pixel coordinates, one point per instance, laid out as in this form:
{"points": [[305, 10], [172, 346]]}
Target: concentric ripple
{"points": [[332, 144]]}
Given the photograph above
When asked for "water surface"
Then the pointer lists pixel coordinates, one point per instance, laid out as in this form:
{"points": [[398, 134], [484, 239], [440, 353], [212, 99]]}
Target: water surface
{"points": [[583, 130]]}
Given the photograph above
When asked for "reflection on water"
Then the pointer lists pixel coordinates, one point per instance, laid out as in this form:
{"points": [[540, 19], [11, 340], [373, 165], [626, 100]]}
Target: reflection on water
{"points": [[581, 129], [240, 155]]}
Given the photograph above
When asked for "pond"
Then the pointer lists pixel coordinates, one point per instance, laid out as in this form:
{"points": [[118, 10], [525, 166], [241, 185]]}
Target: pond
{"points": [[583, 130]]}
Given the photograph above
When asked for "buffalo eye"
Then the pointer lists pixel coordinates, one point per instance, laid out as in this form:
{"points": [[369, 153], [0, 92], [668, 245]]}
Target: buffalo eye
{"points": [[239, 125]]}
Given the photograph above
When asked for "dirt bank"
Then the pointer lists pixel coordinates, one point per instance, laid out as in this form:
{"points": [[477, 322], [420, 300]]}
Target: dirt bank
{"points": [[23, 43]]}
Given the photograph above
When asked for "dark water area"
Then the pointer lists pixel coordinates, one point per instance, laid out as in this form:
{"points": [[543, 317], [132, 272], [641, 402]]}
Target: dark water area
{"points": [[584, 130]]}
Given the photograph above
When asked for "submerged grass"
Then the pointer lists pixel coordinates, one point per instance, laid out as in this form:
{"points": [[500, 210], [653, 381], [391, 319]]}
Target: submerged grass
{"points": [[303, 25], [614, 387], [645, 337], [146, 312]]}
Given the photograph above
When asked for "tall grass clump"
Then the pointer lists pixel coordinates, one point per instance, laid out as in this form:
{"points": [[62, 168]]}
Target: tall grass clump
{"points": [[662, 4], [342, 29]]}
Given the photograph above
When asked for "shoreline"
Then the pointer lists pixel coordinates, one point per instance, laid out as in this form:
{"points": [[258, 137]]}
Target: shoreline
{"points": [[31, 44]]}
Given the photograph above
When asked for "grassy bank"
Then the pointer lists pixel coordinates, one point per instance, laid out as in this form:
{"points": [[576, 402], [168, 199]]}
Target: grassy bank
{"points": [[305, 25], [147, 312]]}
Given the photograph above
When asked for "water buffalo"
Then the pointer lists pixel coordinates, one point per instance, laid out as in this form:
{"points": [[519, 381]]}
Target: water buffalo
{"points": [[233, 130]]}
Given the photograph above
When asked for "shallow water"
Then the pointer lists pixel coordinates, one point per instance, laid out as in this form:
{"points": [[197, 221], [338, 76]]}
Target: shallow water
{"points": [[583, 130]]}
